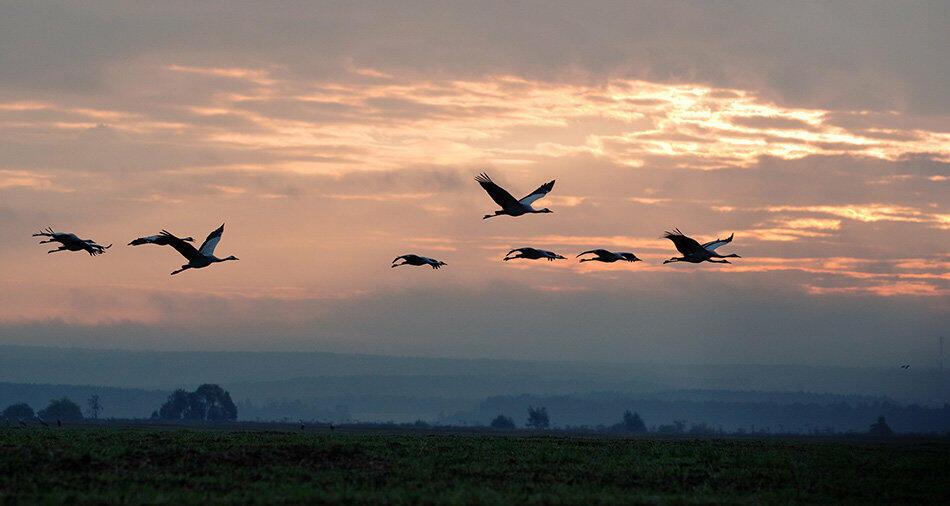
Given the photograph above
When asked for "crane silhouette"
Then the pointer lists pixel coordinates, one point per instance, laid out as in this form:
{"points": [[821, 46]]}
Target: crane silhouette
{"points": [[509, 205], [695, 253], [71, 242]]}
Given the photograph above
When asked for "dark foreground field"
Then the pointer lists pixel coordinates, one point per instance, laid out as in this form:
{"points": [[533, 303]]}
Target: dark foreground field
{"points": [[145, 465]]}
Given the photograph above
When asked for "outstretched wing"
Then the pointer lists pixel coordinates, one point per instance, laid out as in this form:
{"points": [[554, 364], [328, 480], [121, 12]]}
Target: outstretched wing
{"points": [[497, 193], [187, 250], [537, 194], [685, 245], [65, 238], [207, 247], [150, 239], [598, 252], [402, 257], [712, 245], [522, 250]]}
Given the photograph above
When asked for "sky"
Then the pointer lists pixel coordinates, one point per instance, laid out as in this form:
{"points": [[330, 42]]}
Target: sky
{"points": [[331, 137]]}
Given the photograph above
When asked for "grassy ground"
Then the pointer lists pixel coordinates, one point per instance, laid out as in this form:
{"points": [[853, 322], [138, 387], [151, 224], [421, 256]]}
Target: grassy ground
{"points": [[144, 465]]}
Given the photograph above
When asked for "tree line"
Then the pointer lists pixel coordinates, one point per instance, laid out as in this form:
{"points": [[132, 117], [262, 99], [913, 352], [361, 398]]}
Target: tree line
{"points": [[632, 423], [208, 402], [538, 419]]}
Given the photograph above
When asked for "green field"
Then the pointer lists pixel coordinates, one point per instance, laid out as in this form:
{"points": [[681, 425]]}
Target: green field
{"points": [[151, 465]]}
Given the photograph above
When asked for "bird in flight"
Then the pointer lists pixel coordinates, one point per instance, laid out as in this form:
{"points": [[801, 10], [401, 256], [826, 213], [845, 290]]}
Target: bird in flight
{"points": [[694, 253], [905, 366], [609, 256], [70, 242], [411, 259], [159, 240], [510, 206], [197, 258], [533, 254]]}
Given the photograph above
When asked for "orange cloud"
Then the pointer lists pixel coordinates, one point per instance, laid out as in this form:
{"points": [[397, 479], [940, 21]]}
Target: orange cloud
{"points": [[497, 119], [889, 290], [28, 179], [867, 213]]}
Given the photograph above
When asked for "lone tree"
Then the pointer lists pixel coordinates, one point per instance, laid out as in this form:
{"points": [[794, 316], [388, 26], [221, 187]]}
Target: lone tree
{"points": [[18, 411], [94, 406], [632, 423], [61, 409], [880, 428], [538, 418], [209, 402], [502, 422]]}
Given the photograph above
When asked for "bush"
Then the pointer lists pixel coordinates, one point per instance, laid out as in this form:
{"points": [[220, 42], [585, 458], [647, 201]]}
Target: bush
{"points": [[502, 422], [20, 411], [61, 409]]}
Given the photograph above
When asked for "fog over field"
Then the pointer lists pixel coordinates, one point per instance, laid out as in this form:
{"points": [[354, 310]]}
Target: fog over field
{"points": [[376, 388]]}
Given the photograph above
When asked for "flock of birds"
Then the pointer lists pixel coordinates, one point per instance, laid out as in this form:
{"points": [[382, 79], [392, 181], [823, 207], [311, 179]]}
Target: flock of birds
{"points": [[690, 249], [197, 257]]}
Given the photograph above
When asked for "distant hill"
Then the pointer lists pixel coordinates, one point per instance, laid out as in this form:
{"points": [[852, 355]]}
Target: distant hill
{"points": [[356, 398], [301, 374]]}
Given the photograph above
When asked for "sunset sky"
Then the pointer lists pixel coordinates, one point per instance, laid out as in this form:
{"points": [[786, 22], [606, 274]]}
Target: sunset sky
{"points": [[331, 137]]}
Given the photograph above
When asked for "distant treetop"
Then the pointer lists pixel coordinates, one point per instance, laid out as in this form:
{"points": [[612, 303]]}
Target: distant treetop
{"points": [[208, 402], [19, 411], [502, 422], [61, 409]]}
